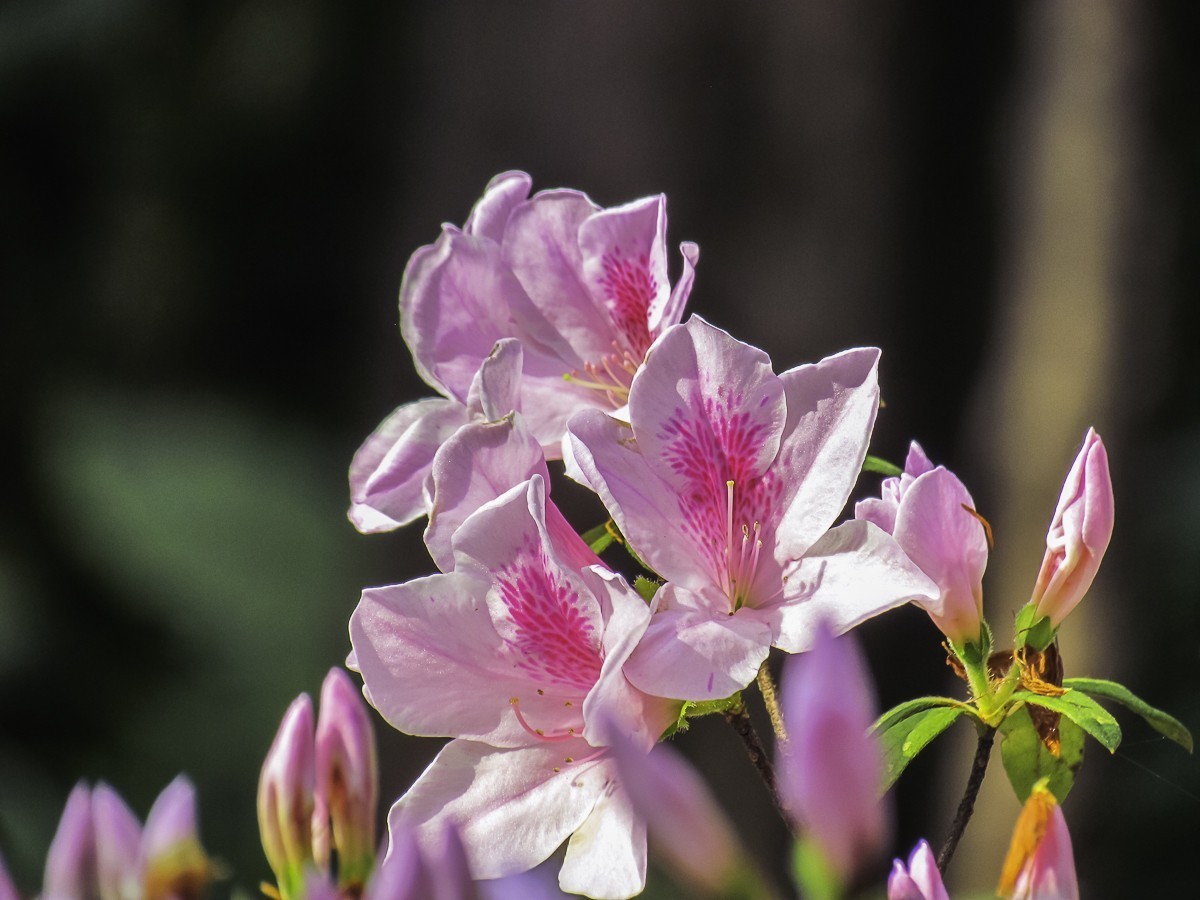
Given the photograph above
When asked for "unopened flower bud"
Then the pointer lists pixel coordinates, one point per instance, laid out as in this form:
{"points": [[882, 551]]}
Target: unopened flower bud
{"points": [[831, 769], [1040, 864], [919, 880], [8, 890], [174, 864], [285, 798], [685, 824], [1079, 534], [71, 861], [117, 838], [347, 779]]}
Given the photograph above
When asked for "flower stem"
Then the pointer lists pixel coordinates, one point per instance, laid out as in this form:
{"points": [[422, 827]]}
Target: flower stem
{"points": [[966, 806], [739, 718], [770, 695]]}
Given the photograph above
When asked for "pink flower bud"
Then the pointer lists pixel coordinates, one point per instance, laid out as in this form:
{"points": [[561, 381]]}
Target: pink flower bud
{"points": [[118, 837], [285, 797], [71, 861], [831, 768], [8, 890], [347, 779], [1079, 534], [173, 862], [685, 824], [919, 880], [1040, 864]]}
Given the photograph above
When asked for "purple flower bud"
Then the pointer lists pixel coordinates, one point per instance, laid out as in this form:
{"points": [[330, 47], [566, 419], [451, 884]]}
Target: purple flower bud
{"points": [[831, 768], [71, 861], [285, 797], [1079, 534], [8, 890], [919, 880], [173, 862], [347, 779], [118, 836], [685, 824]]}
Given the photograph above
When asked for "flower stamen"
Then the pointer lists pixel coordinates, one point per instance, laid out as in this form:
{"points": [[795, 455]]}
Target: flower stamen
{"points": [[537, 732]]}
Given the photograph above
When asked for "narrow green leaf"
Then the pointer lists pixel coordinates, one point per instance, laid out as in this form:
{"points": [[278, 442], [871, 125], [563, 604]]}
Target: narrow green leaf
{"points": [[1160, 721], [599, 538], [910, 707], [1083, 711], [880, 466], [1027, 760], [906, 738]]}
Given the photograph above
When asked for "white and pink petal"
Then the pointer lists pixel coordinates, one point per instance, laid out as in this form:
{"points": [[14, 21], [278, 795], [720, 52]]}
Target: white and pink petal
{"points": [[514, 807], [853, 573]]}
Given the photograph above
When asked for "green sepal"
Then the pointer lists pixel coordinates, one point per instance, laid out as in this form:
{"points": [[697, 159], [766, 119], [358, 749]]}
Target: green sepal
{"points": [[599, 538], [911, 707], [881, 466], [1028, 760], [1160, 721], [907, 737], [812, 873], [1032, 631], [646, 587], [1082, 710], [693, 709]]}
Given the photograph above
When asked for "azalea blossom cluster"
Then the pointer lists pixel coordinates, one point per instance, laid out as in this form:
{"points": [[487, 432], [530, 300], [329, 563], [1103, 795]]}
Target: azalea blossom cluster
{"points": [[558, 344], [551, 329]]}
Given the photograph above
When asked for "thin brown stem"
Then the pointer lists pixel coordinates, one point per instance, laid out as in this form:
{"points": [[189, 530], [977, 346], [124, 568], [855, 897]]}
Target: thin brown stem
{"points": [[739, 718], [770, 695], [966, 806]]}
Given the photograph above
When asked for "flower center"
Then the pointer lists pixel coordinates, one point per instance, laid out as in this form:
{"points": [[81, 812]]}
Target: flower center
{"points": [[611, 376], [741, 555]]}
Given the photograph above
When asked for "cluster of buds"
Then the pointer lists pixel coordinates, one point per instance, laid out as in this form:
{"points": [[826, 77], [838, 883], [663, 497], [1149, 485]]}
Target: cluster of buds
{"points": [[100, 850], [318, 793]]}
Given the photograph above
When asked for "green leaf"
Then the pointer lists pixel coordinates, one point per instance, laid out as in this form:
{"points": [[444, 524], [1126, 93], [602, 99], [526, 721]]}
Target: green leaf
{"points": [[693, 709], [1033, 631], [904, 739], [1160, 721], [599, 538], [910, 707], [881, 466], [1027, 760], [1083, 711], [646, 587]]}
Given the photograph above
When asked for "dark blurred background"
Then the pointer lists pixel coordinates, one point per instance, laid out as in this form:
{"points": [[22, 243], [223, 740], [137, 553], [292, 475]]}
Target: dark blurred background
{"points": [[205, 213]]}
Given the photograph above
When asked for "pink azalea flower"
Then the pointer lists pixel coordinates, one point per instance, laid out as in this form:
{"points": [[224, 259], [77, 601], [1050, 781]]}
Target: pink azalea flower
{"points": [[830, 769], [1078, 535], [512, 652], [725, 482], [929, 513], [584, 289], [479, 463], [919, 880], [390, 471]]}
